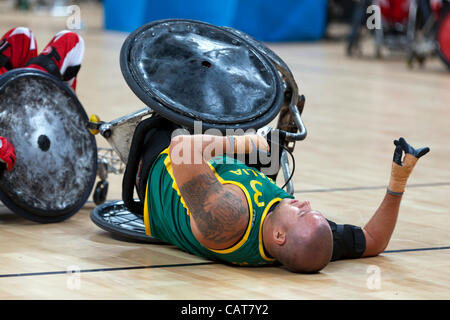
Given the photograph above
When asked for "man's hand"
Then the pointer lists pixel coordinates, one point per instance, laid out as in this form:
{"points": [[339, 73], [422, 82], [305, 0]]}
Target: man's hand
{"points": [[402, 170], [7, 154], [248, 143], [379, 229]]}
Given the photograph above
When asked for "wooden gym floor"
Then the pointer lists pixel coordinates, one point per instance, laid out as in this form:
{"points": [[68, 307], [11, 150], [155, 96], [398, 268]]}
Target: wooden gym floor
{"points": [[354, 109]]}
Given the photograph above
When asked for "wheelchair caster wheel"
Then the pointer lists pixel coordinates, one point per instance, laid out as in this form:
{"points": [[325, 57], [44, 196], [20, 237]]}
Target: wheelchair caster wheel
{"points": [[101, 189], [410, 63], [421, 61]]}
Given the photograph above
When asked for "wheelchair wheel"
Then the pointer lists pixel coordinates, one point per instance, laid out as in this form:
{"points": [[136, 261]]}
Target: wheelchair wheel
{"points": [[443, 37], [189, 71], [115, 218], [100, 192], [56, 155]]}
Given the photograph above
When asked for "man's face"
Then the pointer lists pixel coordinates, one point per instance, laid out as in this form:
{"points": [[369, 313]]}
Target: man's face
{"points": [[293, 211], [301, 235]]}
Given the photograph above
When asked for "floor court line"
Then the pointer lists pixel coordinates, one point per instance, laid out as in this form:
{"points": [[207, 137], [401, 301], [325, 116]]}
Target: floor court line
{"points": [[417, 249], [12, 275], [15, 275], [418, 185], [436, 184]]}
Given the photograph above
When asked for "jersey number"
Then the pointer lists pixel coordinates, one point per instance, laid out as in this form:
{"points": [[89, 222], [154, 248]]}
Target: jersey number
{"points": [[258, 193]]}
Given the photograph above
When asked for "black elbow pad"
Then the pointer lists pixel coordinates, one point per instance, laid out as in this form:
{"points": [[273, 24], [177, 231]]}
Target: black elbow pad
{"points": [[349, 241]]}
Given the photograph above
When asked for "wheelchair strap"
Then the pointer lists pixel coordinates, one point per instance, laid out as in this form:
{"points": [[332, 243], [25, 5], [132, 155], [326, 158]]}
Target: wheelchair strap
{"points": [[4, 60], [146, 150], [46, 62], [71, 72]]}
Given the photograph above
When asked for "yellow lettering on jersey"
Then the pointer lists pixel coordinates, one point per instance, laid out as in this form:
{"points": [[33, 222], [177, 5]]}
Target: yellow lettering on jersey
{"points": [[254, 172], [237, 172], [258, 193]]}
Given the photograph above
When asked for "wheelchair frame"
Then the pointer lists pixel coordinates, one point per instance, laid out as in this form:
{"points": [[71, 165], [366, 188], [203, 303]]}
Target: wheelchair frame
{"points": [[118, 132]]}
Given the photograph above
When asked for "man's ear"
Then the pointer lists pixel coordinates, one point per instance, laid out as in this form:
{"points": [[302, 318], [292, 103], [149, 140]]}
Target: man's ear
{"points": [[279, 236]]}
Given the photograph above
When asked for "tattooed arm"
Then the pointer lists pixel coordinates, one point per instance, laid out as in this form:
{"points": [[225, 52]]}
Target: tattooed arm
{"points": [[219, 213]]}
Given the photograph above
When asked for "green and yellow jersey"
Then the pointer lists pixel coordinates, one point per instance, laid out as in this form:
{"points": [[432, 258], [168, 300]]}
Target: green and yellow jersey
{"points": [[167, 217]]}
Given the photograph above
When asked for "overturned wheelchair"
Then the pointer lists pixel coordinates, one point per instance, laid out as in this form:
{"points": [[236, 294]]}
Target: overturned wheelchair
{"points": [[185, 72]]}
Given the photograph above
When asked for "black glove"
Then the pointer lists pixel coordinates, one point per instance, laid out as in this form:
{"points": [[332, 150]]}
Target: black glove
{"points": [[402, 170], [403, 146]]}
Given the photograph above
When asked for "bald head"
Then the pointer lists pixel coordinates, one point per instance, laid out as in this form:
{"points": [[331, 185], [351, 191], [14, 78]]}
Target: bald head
{"points": [[300, 238]]}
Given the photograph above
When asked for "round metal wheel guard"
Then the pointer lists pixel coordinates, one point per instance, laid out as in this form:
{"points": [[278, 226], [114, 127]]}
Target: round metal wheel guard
{"points": [[56, 161], [114, 217], [187, 70]]}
